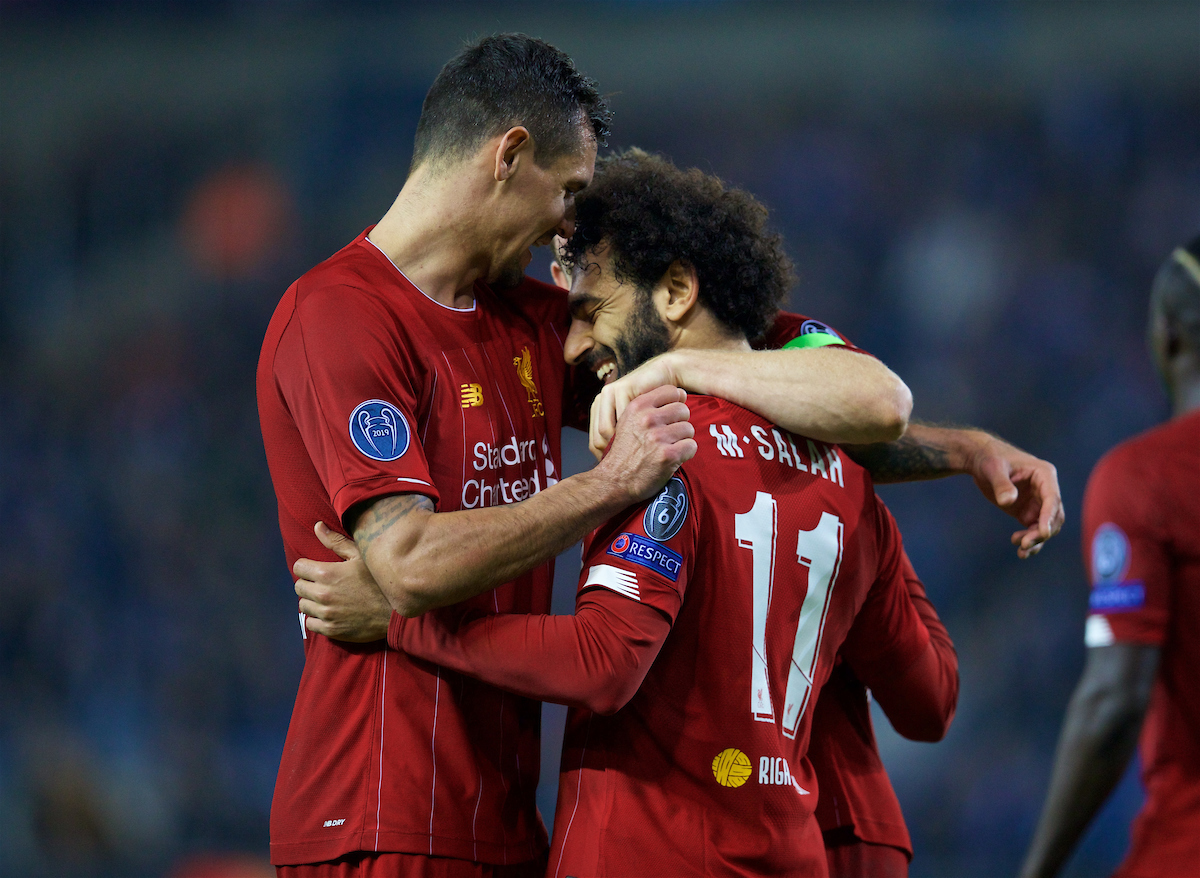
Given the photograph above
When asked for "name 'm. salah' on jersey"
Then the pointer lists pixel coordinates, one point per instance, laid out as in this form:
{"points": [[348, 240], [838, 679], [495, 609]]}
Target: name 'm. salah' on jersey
{"points": [[367, 387], [857, 800], [1141, 540], [767, 552]]}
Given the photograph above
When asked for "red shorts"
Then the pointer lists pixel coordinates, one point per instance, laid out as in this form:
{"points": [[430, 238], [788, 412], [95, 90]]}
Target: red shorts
{"points": [[862, 859], [393, 865]]}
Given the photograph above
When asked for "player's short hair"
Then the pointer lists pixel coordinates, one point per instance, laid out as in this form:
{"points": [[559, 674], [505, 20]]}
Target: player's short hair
{"points": [[502, 81], [651, 213], [1176, 290]]}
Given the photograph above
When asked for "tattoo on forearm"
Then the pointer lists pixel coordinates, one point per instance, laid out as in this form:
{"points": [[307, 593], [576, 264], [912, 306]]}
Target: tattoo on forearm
{"points": [[384, 513], [903, 460]]}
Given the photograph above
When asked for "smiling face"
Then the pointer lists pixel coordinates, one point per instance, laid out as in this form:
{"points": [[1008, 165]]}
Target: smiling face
{"points": [[540, 204], [615, 327]]}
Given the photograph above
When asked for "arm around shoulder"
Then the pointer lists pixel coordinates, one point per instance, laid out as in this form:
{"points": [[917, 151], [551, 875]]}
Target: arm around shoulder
{"points": [[422, 559], [829, 394]]}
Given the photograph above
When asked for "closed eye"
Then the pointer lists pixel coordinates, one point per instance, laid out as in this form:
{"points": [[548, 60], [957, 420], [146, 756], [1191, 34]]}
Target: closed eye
{"points": [[584, 308]]}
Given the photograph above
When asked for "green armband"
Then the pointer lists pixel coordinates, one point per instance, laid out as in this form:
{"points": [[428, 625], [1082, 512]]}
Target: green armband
{"points": [[813, 340]]}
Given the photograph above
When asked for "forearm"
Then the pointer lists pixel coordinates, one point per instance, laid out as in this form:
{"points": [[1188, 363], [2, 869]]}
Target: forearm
{"points": [[595, 659], [920, 700], [938, 635], [447, 557], [924, 451], [833, 395], [1097, 741]]}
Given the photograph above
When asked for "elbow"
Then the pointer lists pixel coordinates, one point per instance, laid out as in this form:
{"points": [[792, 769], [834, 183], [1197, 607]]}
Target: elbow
{"points": [[928, 726], [610, 694], [929, 712], [410, 609], [894, 407], [411, 596], [931, 729], [612, 684], [887, 407]]}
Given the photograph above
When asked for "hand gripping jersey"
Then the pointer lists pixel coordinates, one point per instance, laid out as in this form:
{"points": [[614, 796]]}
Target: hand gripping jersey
{"points": [[729, 594], [1141, 532], [366, 387]]}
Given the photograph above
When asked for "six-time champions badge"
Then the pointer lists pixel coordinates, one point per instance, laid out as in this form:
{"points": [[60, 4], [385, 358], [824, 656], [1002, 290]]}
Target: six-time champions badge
{"points": [[379, 430], [667, 512]]}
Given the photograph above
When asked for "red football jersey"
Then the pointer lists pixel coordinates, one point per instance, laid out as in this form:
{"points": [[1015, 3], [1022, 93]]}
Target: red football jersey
{"points": [[1141, 538], [762, 552], [856, 793], [788, 327], [857, 796], [367, 387]]}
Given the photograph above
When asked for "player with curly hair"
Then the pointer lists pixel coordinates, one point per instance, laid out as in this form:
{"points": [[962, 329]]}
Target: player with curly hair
{"points": [[630, 301], [411, 393]]}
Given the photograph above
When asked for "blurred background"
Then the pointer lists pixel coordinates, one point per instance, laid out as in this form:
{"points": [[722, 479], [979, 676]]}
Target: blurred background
{"points": [[979, 193]]}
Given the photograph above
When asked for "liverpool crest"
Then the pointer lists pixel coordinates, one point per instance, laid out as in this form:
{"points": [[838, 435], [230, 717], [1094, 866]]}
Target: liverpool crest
{"points": [[524, 364]]}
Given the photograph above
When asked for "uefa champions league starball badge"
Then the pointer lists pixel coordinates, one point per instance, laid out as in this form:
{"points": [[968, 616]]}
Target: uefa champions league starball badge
{"points": [[1110, 553], [379, 430]]}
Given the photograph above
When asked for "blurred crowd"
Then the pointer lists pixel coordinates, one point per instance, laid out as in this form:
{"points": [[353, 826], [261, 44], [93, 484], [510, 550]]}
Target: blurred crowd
{"points": [[996, 253]]}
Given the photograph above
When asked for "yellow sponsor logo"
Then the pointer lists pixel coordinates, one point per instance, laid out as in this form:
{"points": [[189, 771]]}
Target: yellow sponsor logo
{"points": [[472, 395], [731, 767]]}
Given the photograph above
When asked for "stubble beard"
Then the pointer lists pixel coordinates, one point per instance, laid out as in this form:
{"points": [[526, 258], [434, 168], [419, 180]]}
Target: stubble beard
{"points": [[509, 277]]}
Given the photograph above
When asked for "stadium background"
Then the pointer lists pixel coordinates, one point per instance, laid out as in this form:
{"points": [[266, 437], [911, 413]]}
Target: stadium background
{"points": [[977, 192]]}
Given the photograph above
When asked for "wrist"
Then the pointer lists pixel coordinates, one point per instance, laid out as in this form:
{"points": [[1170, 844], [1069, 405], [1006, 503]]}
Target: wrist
{"points": [[973, 452], [604, 489], [680, 367], [963, 447]]}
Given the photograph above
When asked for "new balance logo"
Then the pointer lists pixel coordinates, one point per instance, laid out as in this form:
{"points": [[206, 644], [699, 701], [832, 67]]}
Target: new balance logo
{"points": [[472, 395], [727, 442], [329, 823]]}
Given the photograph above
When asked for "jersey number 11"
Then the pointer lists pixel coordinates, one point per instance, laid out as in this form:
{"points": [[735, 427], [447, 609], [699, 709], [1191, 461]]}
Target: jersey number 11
{"points": [[820, 550]]}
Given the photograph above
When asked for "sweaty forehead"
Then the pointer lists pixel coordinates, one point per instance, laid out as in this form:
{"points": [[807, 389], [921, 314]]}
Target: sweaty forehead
{"points": [[579, 165]]}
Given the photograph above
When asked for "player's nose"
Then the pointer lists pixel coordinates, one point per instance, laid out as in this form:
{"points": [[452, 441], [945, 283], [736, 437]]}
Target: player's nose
{"points": [[579, 342], [566, 226]]}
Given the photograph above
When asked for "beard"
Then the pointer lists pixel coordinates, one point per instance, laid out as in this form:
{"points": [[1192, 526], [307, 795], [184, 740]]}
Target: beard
{"points": [[643, 337], [509, 277]]}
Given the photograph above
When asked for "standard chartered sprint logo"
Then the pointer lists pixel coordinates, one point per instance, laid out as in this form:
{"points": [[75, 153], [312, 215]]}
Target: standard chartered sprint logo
{"points": [[490, 488]]}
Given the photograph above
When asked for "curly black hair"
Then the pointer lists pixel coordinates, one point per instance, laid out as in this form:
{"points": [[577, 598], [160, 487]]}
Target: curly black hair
{"points": [[651, 213]]}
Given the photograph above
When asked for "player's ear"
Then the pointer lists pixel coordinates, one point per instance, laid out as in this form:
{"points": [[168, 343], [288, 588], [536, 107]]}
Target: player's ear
{"points": [[559, 276], [1175, 340], [682, 288], [511, 149]]}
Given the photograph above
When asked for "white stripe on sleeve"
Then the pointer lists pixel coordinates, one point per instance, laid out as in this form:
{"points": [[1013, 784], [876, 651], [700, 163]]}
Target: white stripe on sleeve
{"points": [[620, 581], [1097, 632]]}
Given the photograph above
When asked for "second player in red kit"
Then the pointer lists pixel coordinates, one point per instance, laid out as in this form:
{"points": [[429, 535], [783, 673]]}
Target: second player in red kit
{"points": [[706, 623], [707, 619], [470, 384], [1141, 539]]}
